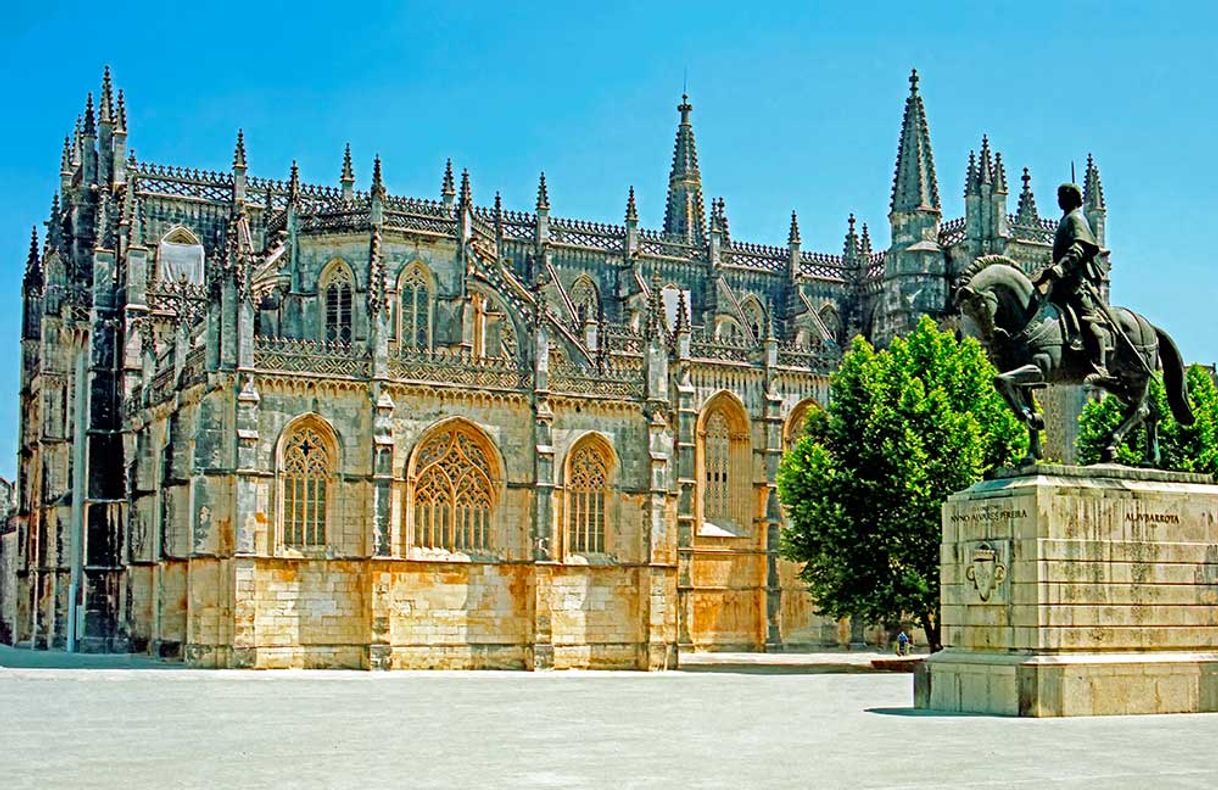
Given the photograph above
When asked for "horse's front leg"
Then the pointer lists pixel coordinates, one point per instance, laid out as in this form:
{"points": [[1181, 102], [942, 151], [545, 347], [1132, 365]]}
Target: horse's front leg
{"points": [[1016, 387]]}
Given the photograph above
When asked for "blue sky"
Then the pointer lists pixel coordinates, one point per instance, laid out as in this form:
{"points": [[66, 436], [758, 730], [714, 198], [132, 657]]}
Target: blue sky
{"points": [[797, 106]]}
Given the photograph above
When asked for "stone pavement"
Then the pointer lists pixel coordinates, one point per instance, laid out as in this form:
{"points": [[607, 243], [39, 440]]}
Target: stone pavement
{"points": [[735, 727]]}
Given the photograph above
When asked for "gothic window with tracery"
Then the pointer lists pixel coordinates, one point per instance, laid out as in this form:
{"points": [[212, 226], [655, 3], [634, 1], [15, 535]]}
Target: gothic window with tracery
{"points": [[338, 290], [755, 314], [717, 500], [833, 323], [180, 257], [587, 302], [724, 464], [587, 494], [414, 294], [306, 483], [454, 494]]}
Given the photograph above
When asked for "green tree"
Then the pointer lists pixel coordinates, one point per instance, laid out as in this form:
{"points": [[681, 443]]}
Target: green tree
{"points": [[905, 427], [1192, 448]]}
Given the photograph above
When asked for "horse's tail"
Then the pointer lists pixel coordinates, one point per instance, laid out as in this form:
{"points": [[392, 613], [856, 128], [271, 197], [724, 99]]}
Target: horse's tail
{"points": [[1173, 378]]}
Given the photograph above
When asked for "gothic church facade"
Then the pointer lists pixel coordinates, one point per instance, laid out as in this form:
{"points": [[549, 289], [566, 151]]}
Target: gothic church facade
{"points": [[267, 423]]}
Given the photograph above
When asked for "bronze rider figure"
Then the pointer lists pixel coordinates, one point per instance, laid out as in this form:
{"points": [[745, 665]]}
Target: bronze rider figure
{"points": [[1072, 283]]}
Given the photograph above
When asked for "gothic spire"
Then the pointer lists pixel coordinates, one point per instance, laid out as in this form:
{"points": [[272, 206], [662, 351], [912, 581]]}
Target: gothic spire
{"points": [[65, 159], [970, 176], [90, 130], [683, 213], [1000, 174], [543, 194], [724, 228], [55, 224], [632, 210], [33, 264], [122, 112], [914, 186], [77, 141], [793, 233], [294, 183], [1026, 214], [106, 107], [850, 247], [239, 151], [448, 190], [348, 173], [985, 167], [865, 241], [378, 184], [1093, 189], [467, 197], [682, 322], [347, 178]]}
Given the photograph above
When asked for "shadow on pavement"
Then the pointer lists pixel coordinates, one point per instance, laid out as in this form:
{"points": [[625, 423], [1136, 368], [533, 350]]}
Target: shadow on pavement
{"points": [[25, 658], [781, 669], [922, 712]]}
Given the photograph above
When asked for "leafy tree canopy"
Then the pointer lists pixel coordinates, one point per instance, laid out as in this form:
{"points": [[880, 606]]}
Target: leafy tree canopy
{"points": [[1182, 448], [905, 427]]}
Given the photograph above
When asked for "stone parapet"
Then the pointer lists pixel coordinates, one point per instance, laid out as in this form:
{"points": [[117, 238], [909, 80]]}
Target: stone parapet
{"points": [[1076, 591]]}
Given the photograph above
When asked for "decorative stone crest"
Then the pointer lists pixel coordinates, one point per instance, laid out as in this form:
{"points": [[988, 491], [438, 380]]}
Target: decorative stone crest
{"points": [[986, 569]]}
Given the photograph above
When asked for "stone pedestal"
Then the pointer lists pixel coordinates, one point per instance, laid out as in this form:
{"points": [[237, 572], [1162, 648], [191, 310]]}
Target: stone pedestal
{"points": [[1074, 591]]}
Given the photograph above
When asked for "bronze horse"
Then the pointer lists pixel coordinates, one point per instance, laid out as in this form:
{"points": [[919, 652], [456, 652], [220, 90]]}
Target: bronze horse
{"points": [[1024, 338]]}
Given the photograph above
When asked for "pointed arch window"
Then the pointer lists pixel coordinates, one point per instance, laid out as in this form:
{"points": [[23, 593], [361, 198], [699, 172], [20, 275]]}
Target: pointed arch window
{"points": [[307, 470], [794, 428], [718, 468], [338, 289], [414, 296], [724, 466], [586, 300], [180, 257], [832, 321], [587, 495], [453, 497], [755, 315]]}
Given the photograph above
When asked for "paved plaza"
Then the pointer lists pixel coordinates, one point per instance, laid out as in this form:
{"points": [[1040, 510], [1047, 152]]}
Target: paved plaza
{"points": [[791, 722]]}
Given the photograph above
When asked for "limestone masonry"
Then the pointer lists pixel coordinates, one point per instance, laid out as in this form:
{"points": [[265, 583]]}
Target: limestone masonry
{"points": [[1071, 591], [275, 424]]}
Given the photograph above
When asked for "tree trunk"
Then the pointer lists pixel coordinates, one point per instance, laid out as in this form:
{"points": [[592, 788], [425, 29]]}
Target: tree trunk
{"points": [[930, 627]]}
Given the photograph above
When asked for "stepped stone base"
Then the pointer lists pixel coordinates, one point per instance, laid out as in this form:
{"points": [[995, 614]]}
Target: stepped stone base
{"points": [[1075, 591]]}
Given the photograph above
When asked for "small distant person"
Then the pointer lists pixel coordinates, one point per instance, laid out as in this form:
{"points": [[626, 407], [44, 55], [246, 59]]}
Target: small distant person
{"points": [[902, 643]]}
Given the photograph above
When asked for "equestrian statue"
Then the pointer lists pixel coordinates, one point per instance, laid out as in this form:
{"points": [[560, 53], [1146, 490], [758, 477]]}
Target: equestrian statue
{"points": [[1058, 329]]}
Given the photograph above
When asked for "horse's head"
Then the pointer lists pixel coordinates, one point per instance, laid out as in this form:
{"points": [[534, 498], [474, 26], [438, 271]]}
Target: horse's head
{"points": [[995, 294], [980, 306]]}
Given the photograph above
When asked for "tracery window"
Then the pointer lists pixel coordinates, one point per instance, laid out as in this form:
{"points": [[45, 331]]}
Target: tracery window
{"points": [[833, 323], [755, 314], [414, 294], [587, 494], [587, 302], [337, 293], [307, 469], [724, 465], [180, 257], [453, 498], [717, 472]]}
